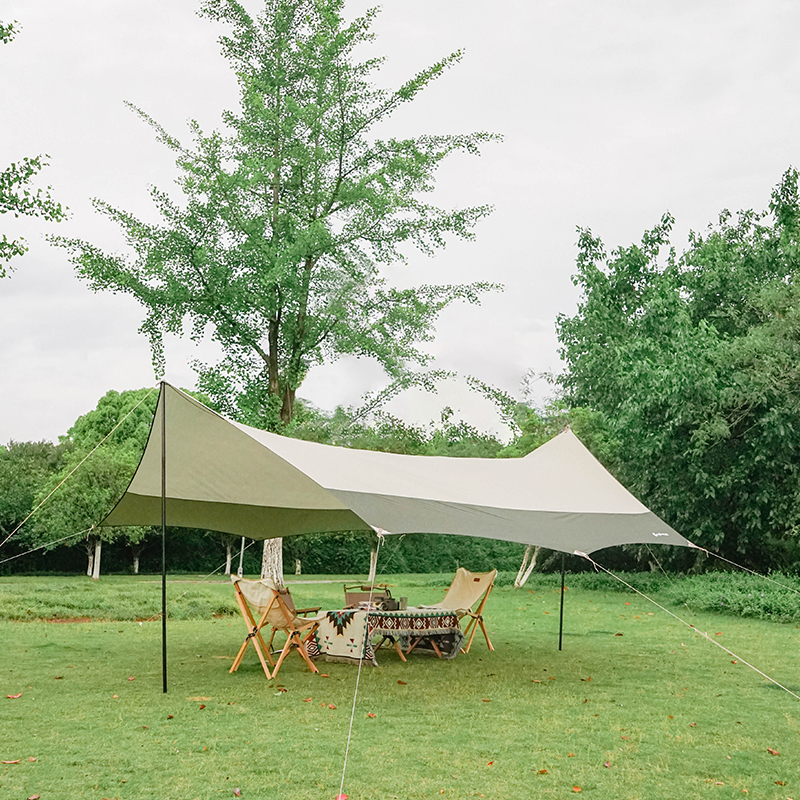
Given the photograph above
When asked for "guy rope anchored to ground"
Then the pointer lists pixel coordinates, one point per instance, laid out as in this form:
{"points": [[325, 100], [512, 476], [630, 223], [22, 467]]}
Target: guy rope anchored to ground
{"points": [[688, 624]]}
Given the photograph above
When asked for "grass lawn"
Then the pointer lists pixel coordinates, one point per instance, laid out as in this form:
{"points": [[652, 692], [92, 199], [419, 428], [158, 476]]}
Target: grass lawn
{"points": [[656, 712]]}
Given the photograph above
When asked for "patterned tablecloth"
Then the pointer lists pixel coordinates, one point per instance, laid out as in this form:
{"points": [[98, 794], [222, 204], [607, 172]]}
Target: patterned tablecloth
{"points": [[341, 635]]}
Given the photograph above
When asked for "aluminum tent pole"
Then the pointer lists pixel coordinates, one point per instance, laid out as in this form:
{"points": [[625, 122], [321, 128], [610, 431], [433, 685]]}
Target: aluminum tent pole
{"points": [[164, 535], [561, 616]]}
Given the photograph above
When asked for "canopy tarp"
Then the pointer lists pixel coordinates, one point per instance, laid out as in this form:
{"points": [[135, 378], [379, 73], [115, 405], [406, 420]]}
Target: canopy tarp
{"points": [[229, 477]]}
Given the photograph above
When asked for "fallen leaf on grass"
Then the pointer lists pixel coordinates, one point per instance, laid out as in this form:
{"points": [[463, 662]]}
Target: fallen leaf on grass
{"points": [[692, 724], [341, 797], [577, 789], [490, 764], [332, 706], [402, 683], [237, 791], [536, 680], [131, 678], [780, 783], [324, 675], [307, 699], [607, 764], [371, 715], [115, 697], [486, 700], [774, 752], [13, 762], [58, 677], [34, 797], [587, 679], [31, 759], [14, 696], [733, 662], [570, 755], [202, 705], [170, 716], [617, 634], [542, 772]]}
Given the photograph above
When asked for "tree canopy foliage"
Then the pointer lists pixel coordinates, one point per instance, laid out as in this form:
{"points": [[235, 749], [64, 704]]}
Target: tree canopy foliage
{"points": [[691, 361], [15, 195], [289, 213]]}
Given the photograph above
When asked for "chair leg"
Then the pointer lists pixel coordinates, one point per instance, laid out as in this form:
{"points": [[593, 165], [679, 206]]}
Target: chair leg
{"points": [[285, 652], [469, 632], [294, 640], [254, 634], [472, 627], [485, 633]]}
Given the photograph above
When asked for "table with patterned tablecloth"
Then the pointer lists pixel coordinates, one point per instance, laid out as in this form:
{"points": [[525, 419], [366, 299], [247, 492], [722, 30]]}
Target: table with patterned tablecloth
{"points": [[341, 635]]}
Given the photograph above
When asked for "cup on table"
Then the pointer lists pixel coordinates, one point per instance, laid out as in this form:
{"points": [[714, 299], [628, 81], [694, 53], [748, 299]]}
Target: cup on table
{"points": [[403, 603]]}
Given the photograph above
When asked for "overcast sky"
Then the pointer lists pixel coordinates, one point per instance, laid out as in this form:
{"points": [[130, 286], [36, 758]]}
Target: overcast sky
{"points": [[613, 112]]}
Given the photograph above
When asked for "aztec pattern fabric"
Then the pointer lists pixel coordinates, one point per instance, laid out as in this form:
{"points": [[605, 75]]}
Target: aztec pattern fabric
{"points": [[341, 637], [418, 623]]}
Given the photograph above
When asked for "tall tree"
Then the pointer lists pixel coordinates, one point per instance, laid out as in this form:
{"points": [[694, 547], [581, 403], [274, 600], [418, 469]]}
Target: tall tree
{"points": [[692, 361], [290, 212], [15, 195]]}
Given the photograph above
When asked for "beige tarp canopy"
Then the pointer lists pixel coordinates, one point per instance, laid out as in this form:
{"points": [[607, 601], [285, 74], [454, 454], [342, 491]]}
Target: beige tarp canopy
{"points": [[229, 477]]}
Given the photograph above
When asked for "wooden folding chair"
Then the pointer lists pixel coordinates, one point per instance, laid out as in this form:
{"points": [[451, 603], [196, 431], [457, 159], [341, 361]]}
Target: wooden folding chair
{"points": [[353, 595], [277, 609], [467, 595]]}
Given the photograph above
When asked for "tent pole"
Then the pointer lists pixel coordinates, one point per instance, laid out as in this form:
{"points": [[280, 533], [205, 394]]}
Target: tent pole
{"points": [[164, 536], [561, 616]]}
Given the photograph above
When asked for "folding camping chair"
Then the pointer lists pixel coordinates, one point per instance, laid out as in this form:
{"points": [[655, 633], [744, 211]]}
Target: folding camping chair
{"points": [[277, 609], [468, 590], [353, 595]]}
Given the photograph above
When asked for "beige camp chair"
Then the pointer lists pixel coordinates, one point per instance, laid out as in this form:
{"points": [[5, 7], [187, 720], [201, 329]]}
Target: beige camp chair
{"points": [[469, 589], [276, 608]]}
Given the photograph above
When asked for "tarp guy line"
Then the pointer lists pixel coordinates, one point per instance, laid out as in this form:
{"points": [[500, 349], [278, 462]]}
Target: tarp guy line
{"points": [[77, 466], [360, 664], [747, 569], [688, 625], [47, 544]]}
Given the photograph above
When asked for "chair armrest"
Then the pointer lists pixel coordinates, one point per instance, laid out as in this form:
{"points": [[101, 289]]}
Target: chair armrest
{"points": [[304, 611]]}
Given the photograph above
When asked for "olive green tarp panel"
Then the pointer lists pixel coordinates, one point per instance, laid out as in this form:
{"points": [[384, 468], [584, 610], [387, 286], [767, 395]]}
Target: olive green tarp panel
{"points": [[230, 477]]}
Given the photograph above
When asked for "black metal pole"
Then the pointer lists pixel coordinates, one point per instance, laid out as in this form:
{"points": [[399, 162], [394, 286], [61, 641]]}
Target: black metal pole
{"points": [[561, 617], [164, 535]]}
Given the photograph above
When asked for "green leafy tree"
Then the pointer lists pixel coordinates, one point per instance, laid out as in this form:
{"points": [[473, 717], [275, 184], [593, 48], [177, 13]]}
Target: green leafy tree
{"points": [[86, 496], [24, 468], [15, 195], [691, 361], [290, 212]]}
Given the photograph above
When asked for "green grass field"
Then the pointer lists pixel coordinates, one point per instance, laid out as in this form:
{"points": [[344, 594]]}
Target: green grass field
{"points": [[635, 706]]}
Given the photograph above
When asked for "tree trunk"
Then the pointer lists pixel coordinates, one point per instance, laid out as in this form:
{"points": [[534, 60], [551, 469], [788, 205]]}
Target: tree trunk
{"points": [[241, 559], [96, 560], [90, 559], [297, 567], [373, 565], [532, 553], [272, 561], [228, 557], [136, 563]]}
